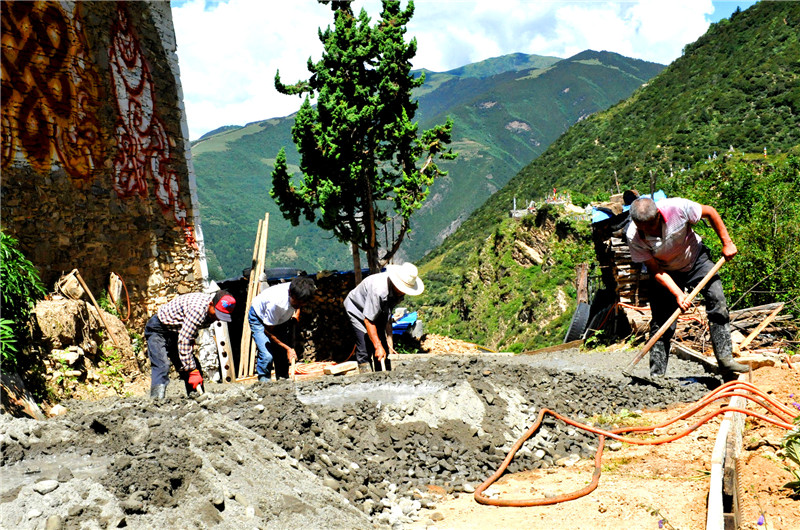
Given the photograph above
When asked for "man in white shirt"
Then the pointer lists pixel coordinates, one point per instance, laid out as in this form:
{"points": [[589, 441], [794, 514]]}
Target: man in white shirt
{"points": [[275, 306], [661, 237], [369, 307]]}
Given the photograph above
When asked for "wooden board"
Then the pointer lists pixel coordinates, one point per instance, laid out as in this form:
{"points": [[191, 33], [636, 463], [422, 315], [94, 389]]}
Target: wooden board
{"points": [[224, 352], [341, 368]]}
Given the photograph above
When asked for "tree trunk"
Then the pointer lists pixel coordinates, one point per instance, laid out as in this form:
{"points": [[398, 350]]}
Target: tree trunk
{"points": [[356, 263]]}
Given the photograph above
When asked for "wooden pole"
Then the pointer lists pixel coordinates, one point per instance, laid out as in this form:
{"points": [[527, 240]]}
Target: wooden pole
{"points": [[262, 255], [96, 306], [758, 329], [244, 346]]}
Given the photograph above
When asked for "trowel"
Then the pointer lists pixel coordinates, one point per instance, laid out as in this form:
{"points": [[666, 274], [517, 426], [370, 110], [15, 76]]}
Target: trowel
{"points": [[627, 371]]}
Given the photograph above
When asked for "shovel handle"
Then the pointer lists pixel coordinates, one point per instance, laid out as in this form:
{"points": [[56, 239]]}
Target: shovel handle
{"points": [[663, 329], [292, 370]]}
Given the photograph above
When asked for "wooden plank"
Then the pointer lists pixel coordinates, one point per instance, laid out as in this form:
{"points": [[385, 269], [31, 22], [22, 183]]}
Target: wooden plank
{"points": [[224, 352], [758, 329], [685, 352], [558, 347], [582, 281], [262, 255], [340, 368], [244, 348]]}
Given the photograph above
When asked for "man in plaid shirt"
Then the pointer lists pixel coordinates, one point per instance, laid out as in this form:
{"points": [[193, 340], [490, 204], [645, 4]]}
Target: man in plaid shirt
{"points": [[171, 333]]}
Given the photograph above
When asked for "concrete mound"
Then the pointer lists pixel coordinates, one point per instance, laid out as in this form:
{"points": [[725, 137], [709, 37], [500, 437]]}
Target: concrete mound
{"points": [[354, 452]]}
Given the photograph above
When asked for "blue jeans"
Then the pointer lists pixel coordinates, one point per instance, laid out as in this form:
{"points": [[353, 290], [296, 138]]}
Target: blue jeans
{"points": [[269, 353]]}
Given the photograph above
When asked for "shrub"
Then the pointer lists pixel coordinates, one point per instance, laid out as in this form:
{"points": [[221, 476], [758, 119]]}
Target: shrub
{"points": [[22, 287]]}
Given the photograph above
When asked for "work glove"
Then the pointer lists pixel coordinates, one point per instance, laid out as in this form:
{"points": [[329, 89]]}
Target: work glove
{"points": [[195, 379]]}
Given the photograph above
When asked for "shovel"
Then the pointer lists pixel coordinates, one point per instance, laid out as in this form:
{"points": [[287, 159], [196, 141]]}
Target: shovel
{"points": [[627, 371]]}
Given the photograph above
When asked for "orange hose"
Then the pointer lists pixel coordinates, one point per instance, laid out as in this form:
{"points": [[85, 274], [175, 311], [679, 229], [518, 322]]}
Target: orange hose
{"points": [[725, 391]]}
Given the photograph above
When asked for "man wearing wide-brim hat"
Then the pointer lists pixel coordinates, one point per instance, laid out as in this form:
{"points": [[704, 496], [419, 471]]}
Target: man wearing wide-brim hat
{"points": [[370, 306]]}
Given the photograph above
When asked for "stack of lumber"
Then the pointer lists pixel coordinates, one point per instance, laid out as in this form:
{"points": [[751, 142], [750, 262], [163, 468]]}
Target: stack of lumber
{"points": [[625, 278], [247, 350], [759, 333]]}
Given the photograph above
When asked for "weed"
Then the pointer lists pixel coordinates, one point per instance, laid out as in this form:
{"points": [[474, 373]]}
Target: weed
{"points": [[613, 465], [137, 343], [624, 418], [791, 446], [111, 367], [107, 305], [663, 522]]}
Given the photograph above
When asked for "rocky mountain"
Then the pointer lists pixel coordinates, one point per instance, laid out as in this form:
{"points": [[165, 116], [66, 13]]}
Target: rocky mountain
{"points": [[506, 112]]}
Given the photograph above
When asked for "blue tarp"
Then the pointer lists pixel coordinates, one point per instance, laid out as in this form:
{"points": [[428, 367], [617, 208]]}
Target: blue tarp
{"points": [[401, 326], [601, 214]]}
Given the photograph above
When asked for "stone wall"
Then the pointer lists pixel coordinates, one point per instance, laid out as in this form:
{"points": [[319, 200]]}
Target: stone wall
{"points": [[96, 165]]}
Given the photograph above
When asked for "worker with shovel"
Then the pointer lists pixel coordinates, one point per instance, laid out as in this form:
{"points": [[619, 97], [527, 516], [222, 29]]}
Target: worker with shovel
{"points": [[369, 307], [274, 311], [661, 237], [170, 336]]}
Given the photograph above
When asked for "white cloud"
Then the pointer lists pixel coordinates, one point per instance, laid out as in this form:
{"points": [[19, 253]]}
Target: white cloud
{"points": [[229, 51]]}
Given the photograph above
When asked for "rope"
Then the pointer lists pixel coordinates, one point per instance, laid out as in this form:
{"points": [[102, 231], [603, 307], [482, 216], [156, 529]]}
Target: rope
{"points": [[728, 390]]}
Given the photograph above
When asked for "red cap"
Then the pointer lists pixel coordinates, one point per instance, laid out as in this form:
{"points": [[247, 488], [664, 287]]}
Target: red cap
{"points": [[224, 307]]}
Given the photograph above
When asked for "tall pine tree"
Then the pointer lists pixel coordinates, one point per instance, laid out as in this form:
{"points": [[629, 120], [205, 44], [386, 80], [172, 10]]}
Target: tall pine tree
{"points": [[363, 162]]}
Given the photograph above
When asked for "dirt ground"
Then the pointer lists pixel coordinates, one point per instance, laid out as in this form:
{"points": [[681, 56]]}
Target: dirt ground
{"points": [[645, 485]]}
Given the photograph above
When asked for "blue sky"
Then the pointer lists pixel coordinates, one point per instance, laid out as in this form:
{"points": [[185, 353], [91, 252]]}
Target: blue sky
{"points": [[229, 50]]}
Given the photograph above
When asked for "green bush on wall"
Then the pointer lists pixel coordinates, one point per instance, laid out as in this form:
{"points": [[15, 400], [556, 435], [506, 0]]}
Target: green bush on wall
{"points": [[22, 287]]}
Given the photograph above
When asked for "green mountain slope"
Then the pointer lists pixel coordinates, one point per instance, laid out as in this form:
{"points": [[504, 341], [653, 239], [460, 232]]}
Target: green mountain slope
{"points": [[502, 122], [738, 85]]}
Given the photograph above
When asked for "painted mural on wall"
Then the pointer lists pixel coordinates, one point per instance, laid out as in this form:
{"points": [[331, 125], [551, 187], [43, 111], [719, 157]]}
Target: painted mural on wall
{"points": [[50, 91], [50, 104], [95, 173], [143, 148]]}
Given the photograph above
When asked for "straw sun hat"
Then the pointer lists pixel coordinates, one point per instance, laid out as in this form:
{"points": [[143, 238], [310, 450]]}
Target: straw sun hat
{"points": [[406, 278]]}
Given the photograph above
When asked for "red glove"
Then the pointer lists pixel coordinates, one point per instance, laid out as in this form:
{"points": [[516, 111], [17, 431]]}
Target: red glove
{"points": [[195, 379]]}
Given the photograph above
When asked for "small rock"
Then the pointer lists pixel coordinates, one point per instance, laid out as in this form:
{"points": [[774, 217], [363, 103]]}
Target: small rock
{"points": [[132, 505], [218, 501], [58, 410], [469, 488], [64, 474], [614, 446], [54, 522], [568, 461], [331, 483], [45, 486], [437, 516]]}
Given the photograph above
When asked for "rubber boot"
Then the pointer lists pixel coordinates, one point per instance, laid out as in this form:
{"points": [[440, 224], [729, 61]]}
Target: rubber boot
{"points": [[158, 392], [364, 368], [723, 350], [658, 359]]}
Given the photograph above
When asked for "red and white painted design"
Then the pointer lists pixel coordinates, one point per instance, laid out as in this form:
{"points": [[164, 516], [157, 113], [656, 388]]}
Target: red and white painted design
{"points": [[143, 147], [50, 91]]}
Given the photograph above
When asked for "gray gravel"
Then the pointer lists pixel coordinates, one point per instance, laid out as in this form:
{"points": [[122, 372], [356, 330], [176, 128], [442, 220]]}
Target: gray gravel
{"points": [[345, 452]]}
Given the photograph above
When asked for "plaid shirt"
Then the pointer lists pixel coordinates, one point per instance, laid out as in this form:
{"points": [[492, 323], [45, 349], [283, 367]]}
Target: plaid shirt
{"points": [[187, 312]]}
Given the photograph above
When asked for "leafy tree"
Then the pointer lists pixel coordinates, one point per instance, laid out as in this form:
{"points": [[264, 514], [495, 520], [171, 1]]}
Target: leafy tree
{"points": [[361, 154]]}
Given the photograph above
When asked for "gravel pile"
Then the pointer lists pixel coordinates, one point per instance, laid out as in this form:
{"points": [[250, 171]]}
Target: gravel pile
{"points": [[312, 454]]}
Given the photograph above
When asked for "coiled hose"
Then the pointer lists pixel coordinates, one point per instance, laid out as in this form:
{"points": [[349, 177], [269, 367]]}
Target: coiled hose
{"points": [[783, 418]]}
